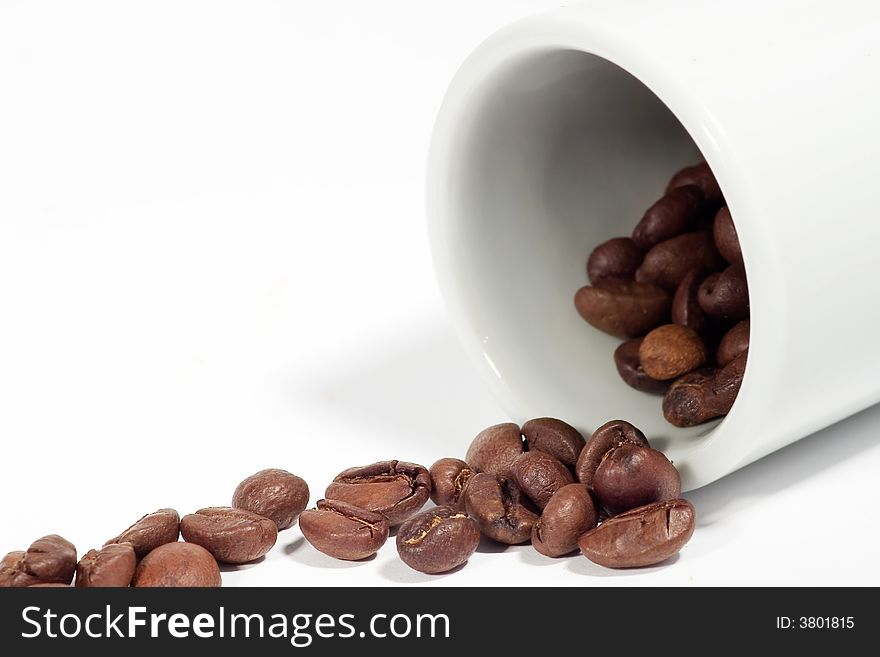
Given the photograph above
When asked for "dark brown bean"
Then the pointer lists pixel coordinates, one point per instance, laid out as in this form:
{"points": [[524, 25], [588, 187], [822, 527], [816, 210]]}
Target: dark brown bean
{"points": [[669, 351], [449, 478], [554, 437], [437, 540], [631, 476], [495, 448], [669, 262], [344, 531], [705, 394], [734, 342], [617, 258], [274, 494], [610, 435], [230, 535], [726, 239], [539, 475], [178, 565], [686, 309], [626, 359], [568, 514], [498, 508], [396, 489], [151, 531], [701, 176], [49, 560], [641, 537], [677, 211], [726, 295], [626, 309], [111, 566]]}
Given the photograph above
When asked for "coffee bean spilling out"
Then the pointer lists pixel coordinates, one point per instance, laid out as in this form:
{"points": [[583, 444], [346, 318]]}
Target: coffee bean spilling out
{"points": [[612, 496], [676, 290]]}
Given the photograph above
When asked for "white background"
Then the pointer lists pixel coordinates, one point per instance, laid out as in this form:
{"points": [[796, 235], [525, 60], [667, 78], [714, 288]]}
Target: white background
{"points": [[213, 259]]}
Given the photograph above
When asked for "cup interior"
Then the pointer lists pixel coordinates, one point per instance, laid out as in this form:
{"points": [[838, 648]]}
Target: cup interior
{"points": [[557, 151]]}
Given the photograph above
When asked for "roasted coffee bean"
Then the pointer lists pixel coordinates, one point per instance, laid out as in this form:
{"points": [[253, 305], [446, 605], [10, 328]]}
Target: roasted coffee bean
{"points": [[676, 212], [539, 475], [499, 509], [395, 489], [644, 536], [495, 448], [686, 309], [230, 535], [734, 342], [274, 494], [49, 560], [449, 478], [701, 176], [630, 476], [626, 309], [726, 295], [617, 258], [151, 531], [554, 437], [626, 359], [111, 566], [726, 239], [178, 565], [344, 531], [610, 435], [669, 262], [669, 351], [568, 514], [705, 394], [437, 540]]}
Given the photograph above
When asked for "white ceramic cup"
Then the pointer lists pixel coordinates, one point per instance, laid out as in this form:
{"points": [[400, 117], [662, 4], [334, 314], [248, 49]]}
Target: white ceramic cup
{"points": [[560, 130]]}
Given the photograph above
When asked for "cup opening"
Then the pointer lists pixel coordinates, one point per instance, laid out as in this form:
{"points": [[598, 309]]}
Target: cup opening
{"points": [[555, 151]]}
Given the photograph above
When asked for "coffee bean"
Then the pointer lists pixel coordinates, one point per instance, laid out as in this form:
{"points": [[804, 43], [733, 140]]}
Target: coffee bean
{"points": [[676, 212], [701, 176], [617, 258], [568, 514], [274, 494], [111, 566], [495, 448], [669, 262], [726, 239], [734, 342], [641, 537], [705, 394], [626, 359], [669, 351], [49, 560], [178, 565], [449, 478], [630, 476], [539, 475], [437, 540], [686, 309], [726, 295], [151, 531], [230, 535], [395, 489], [610, 435], [499, 509], [344, 531], [554, 437], [626, 309]]}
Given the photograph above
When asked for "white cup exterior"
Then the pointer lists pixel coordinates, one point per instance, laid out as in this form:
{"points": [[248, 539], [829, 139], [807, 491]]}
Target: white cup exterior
{"points": [[561, 129]]}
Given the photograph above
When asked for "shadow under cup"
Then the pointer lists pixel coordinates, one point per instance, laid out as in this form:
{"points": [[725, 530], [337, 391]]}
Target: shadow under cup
{"points": [[555, 152]]}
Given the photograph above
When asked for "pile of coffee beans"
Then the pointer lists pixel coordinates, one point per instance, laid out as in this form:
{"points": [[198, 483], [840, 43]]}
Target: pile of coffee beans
{"points": [[676, 290], [612, 496]]}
